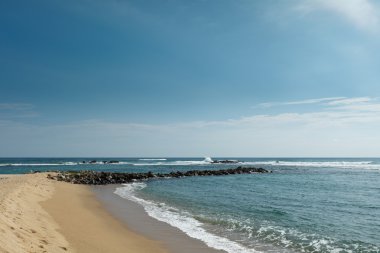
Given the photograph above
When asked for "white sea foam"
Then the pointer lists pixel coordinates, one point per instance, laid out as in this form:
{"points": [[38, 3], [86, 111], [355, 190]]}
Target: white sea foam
{"points": [[282, 237], [121, 163], [70, 163], [176, 163], [341, 164], [206, 161], [319, 244], [36, 164], [181, 220], [61, 164]]}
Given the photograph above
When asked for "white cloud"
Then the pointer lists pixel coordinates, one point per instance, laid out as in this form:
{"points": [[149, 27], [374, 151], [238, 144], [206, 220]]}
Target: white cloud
{"points": [[313, 101], [337, 103], [300, 102], [364, 107], [364, 14], [354, 122], [349, 101]]}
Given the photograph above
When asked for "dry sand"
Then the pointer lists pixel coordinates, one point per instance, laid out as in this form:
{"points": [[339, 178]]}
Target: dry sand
{"points": [[40, 215], [24, 225]]}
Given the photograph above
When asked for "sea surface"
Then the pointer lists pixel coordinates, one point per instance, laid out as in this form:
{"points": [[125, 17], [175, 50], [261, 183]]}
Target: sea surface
{"points": [[305, 205]]}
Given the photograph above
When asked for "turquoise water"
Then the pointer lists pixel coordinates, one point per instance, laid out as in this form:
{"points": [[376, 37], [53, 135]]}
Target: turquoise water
{"points": [[319, 205], [305, 205]]}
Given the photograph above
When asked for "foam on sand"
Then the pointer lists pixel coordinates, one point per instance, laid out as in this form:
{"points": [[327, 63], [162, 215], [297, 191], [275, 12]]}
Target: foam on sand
{"points": [[180, 219]]}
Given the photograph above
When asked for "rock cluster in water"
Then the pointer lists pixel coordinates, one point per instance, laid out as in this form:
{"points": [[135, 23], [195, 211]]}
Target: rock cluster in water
{"points": [[101, 162], [225, 161], [102, 178]]}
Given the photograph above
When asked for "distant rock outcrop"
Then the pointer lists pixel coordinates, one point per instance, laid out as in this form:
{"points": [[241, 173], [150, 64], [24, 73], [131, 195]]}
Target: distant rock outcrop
{"points": [[225, 161], [101, 162]]}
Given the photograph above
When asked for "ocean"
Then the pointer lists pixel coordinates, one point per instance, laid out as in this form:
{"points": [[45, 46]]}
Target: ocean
{"points": [[305, 205]]}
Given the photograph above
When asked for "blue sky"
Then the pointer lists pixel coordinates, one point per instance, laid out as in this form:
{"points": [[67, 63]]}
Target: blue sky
{"points": [[190, 78]]}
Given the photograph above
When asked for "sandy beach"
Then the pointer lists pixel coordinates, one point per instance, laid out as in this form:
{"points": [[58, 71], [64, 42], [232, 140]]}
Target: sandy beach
{"points": [[41, 215]]}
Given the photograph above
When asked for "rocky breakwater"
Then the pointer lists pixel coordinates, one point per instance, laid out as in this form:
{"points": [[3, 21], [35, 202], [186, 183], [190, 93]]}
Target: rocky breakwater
{"points": [[102, 178]]}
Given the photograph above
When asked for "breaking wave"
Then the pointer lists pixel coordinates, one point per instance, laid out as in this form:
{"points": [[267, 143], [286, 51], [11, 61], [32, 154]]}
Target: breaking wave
{"points": [[180, 219], [206, 161]]}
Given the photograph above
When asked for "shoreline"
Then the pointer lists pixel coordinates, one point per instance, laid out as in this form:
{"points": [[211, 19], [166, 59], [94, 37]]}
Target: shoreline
{"points": [[137, 220], [89, 227], [41, 215]]}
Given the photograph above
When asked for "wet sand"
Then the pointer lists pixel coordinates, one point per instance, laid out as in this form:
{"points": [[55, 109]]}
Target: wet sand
{"points": [[140, 222]]}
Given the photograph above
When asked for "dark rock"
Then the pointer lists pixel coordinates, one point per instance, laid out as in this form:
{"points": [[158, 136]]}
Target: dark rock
{"points": [[101, 178], [225, 161]]}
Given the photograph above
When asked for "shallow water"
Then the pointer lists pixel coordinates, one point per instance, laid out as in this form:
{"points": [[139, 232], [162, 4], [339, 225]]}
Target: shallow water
{"points": [[303, 206]]}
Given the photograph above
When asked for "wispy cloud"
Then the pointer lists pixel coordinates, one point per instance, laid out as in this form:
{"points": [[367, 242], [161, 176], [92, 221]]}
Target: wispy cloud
{"points": [[339, 108], [364, 14], [362, 107], [349, 101], [313, 101], [301, 102], [17, 110], [15, 106]]}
